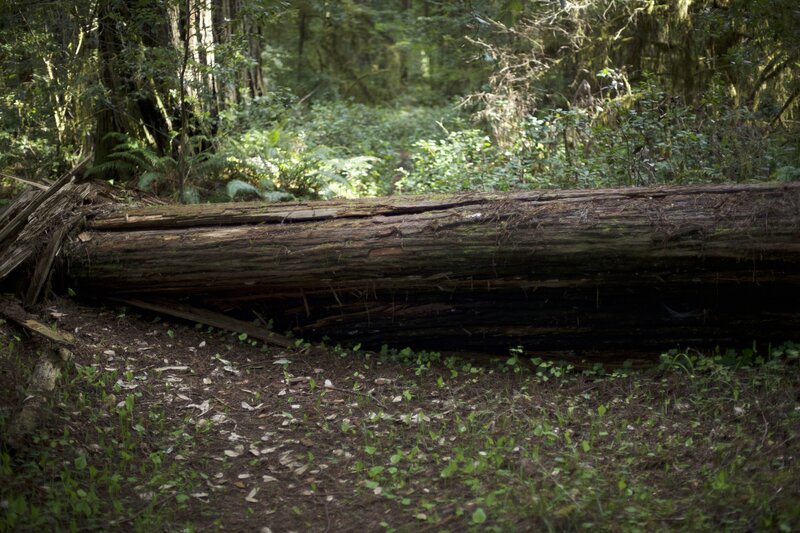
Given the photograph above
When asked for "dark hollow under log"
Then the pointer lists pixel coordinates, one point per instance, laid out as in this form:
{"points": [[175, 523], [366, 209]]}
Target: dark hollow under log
{"points": [[583, 270]]}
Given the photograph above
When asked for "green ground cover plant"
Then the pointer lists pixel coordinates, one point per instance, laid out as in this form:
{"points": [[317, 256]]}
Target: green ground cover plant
{"points": [[205, 429]]}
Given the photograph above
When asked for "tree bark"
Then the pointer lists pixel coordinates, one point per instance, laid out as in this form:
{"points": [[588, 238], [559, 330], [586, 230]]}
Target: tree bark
{"points": [[583, 270], [131, 105]]}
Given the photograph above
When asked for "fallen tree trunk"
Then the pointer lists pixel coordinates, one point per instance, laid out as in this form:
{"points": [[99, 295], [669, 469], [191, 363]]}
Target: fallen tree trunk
{"points": [[546, 269]]}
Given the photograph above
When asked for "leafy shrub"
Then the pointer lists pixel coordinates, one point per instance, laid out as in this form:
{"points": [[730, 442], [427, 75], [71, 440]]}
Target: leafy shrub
{"points": [[464, 160], [637, 137], [332, 149], [388, 134], [648, 138], [276, 166], [640, 136]]}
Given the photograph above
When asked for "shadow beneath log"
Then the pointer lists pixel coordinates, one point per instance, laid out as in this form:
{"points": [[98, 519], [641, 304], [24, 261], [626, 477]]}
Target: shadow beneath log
{"points": [[644, 320]]}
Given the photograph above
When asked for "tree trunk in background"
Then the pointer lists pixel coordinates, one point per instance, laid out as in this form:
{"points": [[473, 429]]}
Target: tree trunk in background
{"points": [[585, 270], [302, 28], [111, 117], [255, 73], [131, 105], [198, 28], [231, 19]]}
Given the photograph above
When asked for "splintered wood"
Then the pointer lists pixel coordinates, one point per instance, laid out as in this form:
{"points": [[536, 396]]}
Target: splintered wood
{"points": [[35, 225]]}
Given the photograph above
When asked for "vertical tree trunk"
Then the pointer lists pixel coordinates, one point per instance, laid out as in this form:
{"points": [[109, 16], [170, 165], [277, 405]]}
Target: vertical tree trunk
{"points": [[255, 73], [131, 105], [302, 27], [111, 115]]}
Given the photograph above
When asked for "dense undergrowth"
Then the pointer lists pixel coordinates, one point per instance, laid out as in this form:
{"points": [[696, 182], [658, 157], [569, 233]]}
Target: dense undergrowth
{"points": [[350, 150], [317, 99], [339, 149]]}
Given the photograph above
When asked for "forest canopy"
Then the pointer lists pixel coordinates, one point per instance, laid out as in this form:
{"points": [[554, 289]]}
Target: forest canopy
{"points": [[211, 100]]}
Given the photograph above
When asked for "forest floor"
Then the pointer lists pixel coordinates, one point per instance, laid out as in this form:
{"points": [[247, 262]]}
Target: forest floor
{"points": [[170, 426]]}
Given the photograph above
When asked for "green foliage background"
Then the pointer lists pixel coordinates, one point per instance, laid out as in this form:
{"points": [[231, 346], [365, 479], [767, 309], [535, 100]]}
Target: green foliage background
{"points": [[316, 99]]}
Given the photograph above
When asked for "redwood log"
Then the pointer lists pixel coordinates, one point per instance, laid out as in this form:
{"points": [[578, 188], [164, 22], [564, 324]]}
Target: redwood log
{"points": [[546, 269]]}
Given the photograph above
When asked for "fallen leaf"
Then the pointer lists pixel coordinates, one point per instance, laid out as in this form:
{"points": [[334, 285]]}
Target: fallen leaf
{"points": [[251, 496], [174, 368], [126, 385], [236, 452], [204, 407], [286, 458]]}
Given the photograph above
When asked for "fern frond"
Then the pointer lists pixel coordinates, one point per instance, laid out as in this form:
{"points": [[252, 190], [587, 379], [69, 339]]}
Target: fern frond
{"points": [[191, 195], [148, 178], [111, 166], [278, 196], [235, 187], [132, 158], [149, 156], [164, 162]]}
